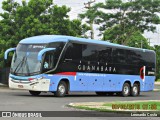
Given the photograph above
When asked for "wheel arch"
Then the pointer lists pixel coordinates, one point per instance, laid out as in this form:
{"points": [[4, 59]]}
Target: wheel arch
{"points": [[127, 81], [138, 83], [66, 80]]}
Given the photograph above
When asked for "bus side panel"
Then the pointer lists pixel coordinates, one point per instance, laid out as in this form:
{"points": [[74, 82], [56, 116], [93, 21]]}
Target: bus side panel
{"points": [[79, 82], [148, 83], [86, 82], [90, 81], [95, 83], [100, 82], [115, 82], [76, 83]]}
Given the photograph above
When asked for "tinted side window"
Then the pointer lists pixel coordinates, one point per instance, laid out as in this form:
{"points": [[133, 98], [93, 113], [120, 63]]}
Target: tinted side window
{"points": [[119, 56], [90, 53], [74, 51], [152, 58], [59, 46], [104, 54], [148, 58], [49, 60], [133, 57]]}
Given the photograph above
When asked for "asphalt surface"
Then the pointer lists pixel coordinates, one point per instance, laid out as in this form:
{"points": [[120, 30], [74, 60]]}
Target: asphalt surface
{"points": [[21, 100]]}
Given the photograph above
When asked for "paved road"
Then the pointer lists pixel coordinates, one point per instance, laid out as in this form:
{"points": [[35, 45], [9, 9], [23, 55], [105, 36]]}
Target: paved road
{"points": [[19, 100]]}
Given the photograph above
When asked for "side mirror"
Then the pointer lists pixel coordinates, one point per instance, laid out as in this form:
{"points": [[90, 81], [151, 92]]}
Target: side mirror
{"points": [[7, 51], [40, 54]]}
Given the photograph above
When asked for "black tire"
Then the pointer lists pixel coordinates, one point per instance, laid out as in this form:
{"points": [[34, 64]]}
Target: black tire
{"points": [[61, 89], [34, 93], [101, 93], [135, 90], [126, 90]]}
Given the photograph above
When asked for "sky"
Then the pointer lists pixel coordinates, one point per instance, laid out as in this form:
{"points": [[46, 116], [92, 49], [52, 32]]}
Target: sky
{"points": [[77, 6]]}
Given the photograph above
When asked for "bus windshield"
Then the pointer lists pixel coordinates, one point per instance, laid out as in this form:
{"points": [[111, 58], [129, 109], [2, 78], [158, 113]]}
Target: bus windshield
{"points": [[25, 61]]}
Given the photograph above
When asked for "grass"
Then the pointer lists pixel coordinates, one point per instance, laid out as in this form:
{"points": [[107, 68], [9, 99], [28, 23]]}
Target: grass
{"points": [[157, 80], [150, 105], [95, 109], [133, 106]]}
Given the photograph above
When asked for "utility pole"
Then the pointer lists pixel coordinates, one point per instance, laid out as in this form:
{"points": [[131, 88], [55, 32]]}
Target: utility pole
{"points": [[88, 6]]}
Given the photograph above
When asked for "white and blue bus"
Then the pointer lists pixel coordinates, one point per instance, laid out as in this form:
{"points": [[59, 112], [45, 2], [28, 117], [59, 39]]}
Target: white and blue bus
{"points": [[63, 64]]}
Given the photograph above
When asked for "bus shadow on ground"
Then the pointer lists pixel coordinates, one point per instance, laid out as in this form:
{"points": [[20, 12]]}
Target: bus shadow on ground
{"points": [[79, 95]]}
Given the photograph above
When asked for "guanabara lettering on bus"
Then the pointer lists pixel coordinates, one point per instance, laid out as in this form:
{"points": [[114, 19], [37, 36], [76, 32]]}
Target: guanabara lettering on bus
{"points": [[63, 64]]}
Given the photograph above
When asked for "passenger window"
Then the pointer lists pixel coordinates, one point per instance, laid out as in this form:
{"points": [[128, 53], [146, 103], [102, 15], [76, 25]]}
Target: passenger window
{"points": [[74, 51], [132, 57], [119, 56], [90, 53], [49, 61], [104, 54]]}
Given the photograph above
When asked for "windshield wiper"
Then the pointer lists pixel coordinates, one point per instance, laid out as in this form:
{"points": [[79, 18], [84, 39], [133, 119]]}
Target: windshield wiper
{"points": [[26, 63], [20, 63]]}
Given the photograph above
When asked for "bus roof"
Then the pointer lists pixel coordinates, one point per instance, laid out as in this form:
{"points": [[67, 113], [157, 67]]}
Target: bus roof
{"points": [[44, 39]]}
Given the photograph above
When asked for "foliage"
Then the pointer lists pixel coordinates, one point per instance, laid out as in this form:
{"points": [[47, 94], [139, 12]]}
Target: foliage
{"points": [[136, 39], [36, 17], [131, 16], [2, 48], [157, 50], [90, 16]]}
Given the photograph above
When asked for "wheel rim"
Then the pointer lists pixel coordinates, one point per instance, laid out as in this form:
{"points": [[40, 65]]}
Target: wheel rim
{"points": [[126, 90], [135, 90], [61, 89]]}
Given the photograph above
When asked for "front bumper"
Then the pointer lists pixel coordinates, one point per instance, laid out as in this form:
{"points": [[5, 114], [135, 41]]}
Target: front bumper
{"points": [[34, 85]]}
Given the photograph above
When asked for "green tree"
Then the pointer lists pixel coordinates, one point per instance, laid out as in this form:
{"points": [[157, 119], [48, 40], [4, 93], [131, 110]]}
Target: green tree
{"points": [[134, 40], [157, 50], [90, 17], [2, 48], [36, 17], [134, 15]]}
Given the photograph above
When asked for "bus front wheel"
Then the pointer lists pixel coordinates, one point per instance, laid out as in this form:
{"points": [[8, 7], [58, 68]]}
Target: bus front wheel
{"points": [[61, 89], [126, 90], [34, 93], [135, 90]]}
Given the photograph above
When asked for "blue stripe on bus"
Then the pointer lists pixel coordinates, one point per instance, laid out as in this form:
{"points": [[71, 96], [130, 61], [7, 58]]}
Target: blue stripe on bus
{"points": [[24, 78]]}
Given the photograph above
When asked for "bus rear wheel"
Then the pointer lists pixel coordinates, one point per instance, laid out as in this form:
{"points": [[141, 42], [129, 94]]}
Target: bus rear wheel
{"points": [[61, 89], [101, 93], [126, 90], [34, 93], [135, 90]]}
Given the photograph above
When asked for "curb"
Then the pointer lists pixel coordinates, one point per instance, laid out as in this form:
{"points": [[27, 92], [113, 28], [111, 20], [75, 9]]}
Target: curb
{"points": [[156, 90], [157, 83]]}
